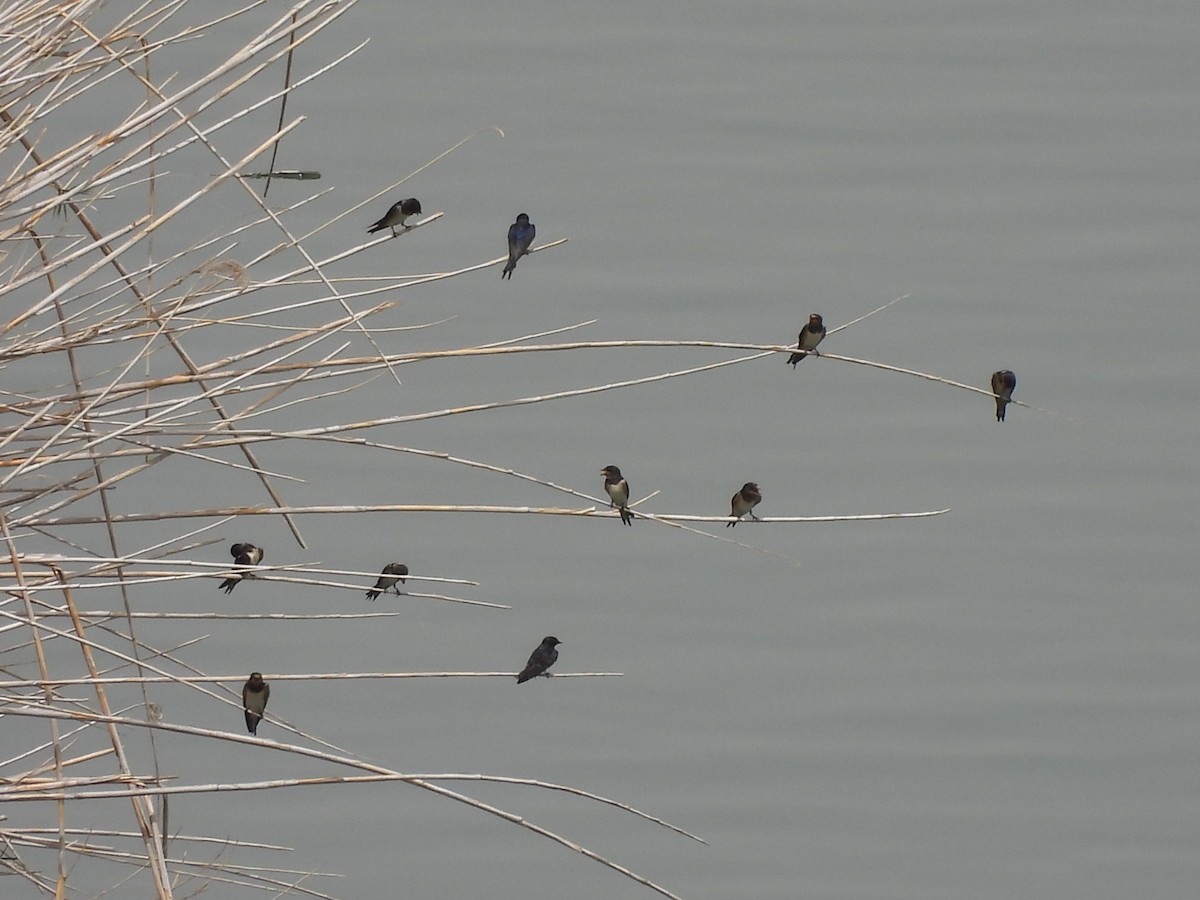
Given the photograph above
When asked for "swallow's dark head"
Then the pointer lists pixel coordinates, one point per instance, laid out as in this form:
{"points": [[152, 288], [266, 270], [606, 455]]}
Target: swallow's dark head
{"points": [[611, 474], [750, 491], [410, 207], [523, 219], [550, 642], [238, 549], [815, 322], [256, 681]]}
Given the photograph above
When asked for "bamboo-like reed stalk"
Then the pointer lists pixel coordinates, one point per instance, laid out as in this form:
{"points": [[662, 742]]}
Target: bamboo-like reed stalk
{"points": [[104, 381], [78, 285]]}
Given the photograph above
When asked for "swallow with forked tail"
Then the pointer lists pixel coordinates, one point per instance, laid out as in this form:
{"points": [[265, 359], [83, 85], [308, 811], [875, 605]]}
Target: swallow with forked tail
{"points": [[391, 573], [243, 555], [395, 216], [810, 335], [617, 489]]}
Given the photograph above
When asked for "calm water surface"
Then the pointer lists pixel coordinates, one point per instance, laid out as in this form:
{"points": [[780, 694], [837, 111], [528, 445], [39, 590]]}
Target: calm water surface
{"points": [[997, 703]]}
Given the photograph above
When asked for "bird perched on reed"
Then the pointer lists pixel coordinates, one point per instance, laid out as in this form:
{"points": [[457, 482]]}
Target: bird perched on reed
{"points": [[743, 502], [540, 660], [395, 216], [810, 335], [617, 489], [255, 694], [520, 236], [243, 555], [392, 573], [1003, 384]]}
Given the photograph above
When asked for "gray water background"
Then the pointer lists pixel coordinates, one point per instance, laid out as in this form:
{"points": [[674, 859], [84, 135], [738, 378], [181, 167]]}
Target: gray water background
{"points": [[1000, 702]]}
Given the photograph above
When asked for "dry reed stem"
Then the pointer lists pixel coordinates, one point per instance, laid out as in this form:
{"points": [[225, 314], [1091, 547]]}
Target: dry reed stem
{"points": [[67, 443], [416, 781], [273, 677], [589, 512]]}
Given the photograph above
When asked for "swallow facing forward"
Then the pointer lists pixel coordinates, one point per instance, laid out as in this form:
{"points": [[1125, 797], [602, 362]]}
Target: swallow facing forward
{"points": [[255, 694], [810, 335], [617, 489], [540, 659], [520, 236], [1003, 383], [243, 555], [744, 501], [392, 573], [396, 215]]}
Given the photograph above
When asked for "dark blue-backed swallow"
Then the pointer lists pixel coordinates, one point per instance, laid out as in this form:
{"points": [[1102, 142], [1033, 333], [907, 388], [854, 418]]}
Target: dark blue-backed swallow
{"points": [[396, 215], [1003, 383], [255, 694], [617, 489], [520, 236], [744, 501], [243, 555], [392, 573], [810, 335], [540, 659]]}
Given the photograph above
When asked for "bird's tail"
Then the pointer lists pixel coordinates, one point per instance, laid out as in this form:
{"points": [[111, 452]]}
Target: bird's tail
{"points": [[508, 269], [795, 358]]}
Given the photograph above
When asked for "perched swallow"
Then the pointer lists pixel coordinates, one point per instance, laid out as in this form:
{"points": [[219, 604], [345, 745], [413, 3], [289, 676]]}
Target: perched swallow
{"points": [[810, 335], [617, 489], [540, 659], [243, 555], [1003, 383], [392, 573], [520, 236], [744, 502], [396, 215], [255, 694]]}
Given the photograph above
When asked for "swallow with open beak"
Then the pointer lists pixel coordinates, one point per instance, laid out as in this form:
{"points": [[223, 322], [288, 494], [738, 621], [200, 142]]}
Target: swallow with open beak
{"points": [[617, 489]]}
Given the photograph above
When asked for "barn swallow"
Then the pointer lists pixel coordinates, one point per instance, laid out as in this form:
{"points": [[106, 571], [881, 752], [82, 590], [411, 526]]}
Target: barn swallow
{"points": [[1003, 383], [540, 659], [617, 489], [392, 573], [810, 335], [396, 215], [744, 502], [520, 236], [255, 694], [243, 555]]}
